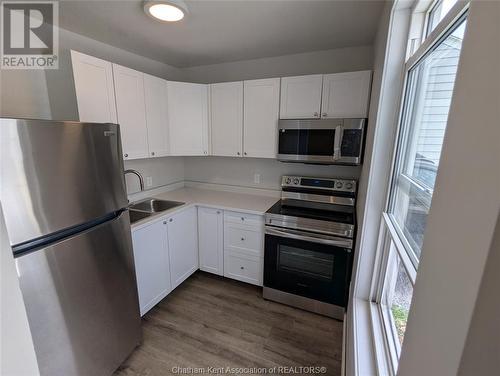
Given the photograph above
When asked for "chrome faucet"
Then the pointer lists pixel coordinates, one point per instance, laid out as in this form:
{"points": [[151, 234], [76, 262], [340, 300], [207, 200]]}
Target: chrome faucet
{"points": [[138, 174]]}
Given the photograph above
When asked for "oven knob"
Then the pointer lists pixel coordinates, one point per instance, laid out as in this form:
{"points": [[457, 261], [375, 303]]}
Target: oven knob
{"points": [[339, 184], [296, 181], [348, 185], [288, 180]]}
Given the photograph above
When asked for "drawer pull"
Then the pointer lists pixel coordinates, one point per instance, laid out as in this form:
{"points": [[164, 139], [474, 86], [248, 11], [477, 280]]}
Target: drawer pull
{"points": [[242, 267], [242, 239]]}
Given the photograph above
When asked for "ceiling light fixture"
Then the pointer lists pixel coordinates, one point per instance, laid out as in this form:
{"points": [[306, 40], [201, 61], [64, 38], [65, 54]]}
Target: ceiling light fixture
{"points": [[166, 11]]}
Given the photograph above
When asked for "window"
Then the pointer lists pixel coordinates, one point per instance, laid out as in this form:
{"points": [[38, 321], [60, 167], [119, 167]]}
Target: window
{"points": [[424, 114], [437, 13]]}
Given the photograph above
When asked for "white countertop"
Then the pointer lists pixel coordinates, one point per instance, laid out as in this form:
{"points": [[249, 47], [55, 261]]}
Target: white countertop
{"points": [[240, 202]]}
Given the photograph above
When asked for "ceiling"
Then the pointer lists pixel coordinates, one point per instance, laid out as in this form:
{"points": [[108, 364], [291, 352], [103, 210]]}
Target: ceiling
{"points": [[223, 31]]}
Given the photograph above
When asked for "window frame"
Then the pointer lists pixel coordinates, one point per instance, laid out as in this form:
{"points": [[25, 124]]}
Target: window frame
{"points": [[391, 238]]}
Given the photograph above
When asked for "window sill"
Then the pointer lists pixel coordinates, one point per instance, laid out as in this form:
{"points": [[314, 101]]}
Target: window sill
{"points": [[365, 352]]}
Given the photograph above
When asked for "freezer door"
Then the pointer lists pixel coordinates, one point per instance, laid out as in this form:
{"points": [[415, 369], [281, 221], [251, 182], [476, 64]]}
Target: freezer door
{"points": [[81, 299], [56, 175]]}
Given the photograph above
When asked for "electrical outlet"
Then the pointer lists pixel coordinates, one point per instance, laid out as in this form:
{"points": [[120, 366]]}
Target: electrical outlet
{"points": [[149, 181], [256, 178]]}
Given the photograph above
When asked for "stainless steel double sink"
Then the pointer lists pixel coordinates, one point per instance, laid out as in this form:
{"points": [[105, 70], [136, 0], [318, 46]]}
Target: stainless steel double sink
{"points": [[149, 206]]}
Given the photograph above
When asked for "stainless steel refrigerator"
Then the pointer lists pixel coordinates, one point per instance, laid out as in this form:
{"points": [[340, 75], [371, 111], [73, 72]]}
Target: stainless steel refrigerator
{"points": [[63, 193]]}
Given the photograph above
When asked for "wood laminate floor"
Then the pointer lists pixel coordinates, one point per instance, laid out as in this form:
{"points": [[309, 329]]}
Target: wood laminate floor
{"points": [[210, 321]]}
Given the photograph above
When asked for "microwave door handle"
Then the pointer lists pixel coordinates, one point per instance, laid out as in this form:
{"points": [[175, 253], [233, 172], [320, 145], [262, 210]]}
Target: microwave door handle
{"points": [[339, 132]]}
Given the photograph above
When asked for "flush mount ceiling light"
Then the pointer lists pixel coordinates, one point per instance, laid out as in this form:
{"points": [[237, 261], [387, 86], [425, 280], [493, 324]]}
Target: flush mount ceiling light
{"points": [[166, 11]]}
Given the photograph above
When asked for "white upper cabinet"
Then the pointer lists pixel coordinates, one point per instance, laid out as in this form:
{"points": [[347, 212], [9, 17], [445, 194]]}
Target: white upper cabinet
{"points": [[211, 240], [131, 111], [260, 117], [188, 118], [226, 113], [346, 95], [301, 97], [95, 93], [183, 245], [155, 93], [151, 264]]}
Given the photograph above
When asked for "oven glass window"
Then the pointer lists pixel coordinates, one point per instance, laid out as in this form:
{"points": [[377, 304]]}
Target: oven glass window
{"points": [[305, 262], [306, 141]]}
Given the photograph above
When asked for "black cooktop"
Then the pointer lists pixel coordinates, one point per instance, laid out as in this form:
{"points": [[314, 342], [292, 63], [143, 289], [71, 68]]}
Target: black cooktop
{"points": [[345, 214]]}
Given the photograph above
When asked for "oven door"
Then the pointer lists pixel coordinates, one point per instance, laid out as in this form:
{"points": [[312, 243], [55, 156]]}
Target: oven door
{"points": [[311, 265]]}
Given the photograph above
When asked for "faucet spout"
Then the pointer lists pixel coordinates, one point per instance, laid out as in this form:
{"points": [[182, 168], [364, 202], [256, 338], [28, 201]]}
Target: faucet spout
{"points": [[138, 174]]}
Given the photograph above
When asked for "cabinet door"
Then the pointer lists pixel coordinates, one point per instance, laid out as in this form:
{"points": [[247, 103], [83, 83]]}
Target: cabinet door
{"points": [[226, 112], [155, 94], [95, 92], [260, 119], [301, 97], [151, 264], [183, 245], [187, 109], [211, 241], [346, 95], [131, 111]]}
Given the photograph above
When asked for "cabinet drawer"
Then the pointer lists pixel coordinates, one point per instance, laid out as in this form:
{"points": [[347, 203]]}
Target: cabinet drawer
{"points": [[246, 240], [245, 219], [243, 269]]}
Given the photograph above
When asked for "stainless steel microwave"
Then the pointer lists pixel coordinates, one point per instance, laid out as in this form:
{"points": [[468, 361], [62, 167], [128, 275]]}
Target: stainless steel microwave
{"points": [[323, 141]]}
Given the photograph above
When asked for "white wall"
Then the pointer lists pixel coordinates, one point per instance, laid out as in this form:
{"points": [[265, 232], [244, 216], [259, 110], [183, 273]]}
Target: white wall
{"points": [[328, 61], [17, 353], [23, 93], [163, 171], [240, 171], [482, 349], [465, 207]]}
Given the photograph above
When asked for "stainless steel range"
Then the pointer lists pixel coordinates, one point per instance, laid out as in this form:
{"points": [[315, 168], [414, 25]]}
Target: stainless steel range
{"points": [[309, 244]]}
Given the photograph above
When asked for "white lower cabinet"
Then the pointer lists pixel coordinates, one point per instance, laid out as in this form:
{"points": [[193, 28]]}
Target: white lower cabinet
{"points": [[243, 267], [151, 264], [183, 245], [211, 240], [168, 250], [244, 247]]}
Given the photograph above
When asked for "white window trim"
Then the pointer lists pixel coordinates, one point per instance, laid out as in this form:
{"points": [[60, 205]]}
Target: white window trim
{"points": [[367, 350], [458, 10], [386, 350]]}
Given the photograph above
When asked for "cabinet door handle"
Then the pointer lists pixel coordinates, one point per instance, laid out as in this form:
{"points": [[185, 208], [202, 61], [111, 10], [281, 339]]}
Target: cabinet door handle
{"points": [[241, 267], [238, 153], [164, 222], [325, 114], [171, 220], [218, 212], [152, 153], [126, 155], [315, 114], [242, 218], [245, 153], [242, 239]]}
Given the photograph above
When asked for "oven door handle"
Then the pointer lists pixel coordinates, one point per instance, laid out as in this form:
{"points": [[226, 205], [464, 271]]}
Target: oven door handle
{"points": [[314, 238]]}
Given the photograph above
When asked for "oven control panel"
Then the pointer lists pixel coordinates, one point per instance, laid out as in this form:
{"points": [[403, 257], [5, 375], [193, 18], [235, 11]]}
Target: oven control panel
{"points": [[343, 185]]}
